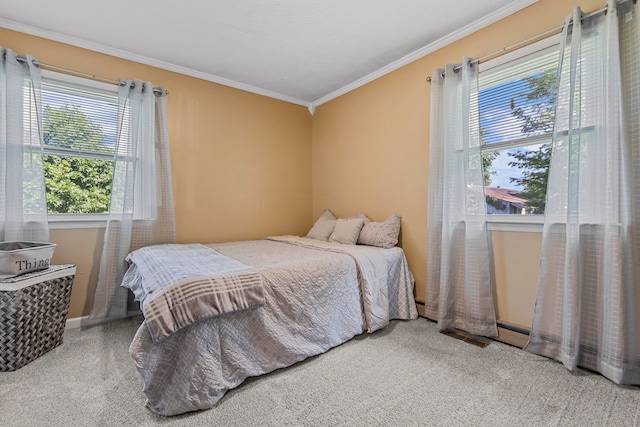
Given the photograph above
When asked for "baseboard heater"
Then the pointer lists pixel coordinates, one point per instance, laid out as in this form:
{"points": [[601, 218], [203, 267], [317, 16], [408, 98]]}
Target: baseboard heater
{"points": [[513, 328], [507, 333]]}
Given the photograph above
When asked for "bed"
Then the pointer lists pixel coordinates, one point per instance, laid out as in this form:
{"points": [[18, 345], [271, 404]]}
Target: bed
{"points": [[313, 295]]}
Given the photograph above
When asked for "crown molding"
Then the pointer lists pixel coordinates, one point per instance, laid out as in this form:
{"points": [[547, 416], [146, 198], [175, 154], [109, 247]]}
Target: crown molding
{"points": [[430, 48], [96, 47]]}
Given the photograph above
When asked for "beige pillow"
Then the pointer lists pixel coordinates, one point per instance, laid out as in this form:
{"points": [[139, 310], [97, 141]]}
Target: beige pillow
{"points": [[323, 227], [360, 215], [347, 230], [383, 234]]}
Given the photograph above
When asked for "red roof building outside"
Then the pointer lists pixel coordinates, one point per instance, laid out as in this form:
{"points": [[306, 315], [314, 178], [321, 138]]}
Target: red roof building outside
{"points": [[504, 201]]}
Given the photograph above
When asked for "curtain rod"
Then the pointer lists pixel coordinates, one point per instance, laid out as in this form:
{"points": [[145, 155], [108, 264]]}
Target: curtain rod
{"points": [[550, 32], [156, 90]]}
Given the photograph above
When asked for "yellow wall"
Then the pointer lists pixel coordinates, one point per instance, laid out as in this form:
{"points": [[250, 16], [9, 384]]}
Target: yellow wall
{"points": [[517, 257], [241, 162], [246, 166], [371, 153]]}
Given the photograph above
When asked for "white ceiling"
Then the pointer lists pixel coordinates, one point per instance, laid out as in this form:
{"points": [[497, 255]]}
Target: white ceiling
{"points": [[301, 51]]}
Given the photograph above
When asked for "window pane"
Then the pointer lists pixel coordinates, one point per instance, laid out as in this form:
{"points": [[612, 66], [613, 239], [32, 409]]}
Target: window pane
{"points": [[76, 184], [79, 133], [517, 111], [516, 179], [79, 121], [518, 100]]}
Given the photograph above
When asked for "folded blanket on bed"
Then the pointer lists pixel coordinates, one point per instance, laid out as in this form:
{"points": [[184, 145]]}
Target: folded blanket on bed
{"points": [[180, 284]]}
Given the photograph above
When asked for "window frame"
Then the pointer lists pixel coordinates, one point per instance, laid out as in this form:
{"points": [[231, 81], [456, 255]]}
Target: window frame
{"points": [[78, 220], [512, 222]]}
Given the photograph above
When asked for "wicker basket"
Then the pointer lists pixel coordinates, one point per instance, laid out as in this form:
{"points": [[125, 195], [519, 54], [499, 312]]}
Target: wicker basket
{"points": [[33, 313]]}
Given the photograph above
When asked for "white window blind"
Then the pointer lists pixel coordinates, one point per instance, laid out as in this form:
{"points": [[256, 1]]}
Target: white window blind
{"points": [[81, 118], [508, 87], [79, 133]]}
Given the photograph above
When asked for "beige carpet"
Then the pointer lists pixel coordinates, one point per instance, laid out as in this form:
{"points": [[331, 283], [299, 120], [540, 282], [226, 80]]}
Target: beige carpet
{"points": [[407, 374]]}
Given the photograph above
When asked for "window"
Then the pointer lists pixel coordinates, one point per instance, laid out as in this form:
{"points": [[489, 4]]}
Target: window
{"points": [[517, 98], [79, 128]]}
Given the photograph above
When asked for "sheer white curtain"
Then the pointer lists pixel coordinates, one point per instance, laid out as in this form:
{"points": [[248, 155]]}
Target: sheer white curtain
{"points": [[141, 210], [587, 311], [23, 206], [459, 288]]}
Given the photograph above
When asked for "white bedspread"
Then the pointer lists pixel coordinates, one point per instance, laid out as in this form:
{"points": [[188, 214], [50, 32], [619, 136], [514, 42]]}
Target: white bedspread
{"points": [[312, 302], [372, 276]]}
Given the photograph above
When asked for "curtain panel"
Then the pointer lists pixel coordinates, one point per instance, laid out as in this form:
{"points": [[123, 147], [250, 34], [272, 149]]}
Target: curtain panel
{"points": [[589, 285], [141, 211], [459, 287], [23, 205]]}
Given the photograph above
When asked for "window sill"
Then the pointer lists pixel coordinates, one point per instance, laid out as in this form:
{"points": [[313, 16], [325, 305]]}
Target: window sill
{"points": [[70, 221], [517, 223]]}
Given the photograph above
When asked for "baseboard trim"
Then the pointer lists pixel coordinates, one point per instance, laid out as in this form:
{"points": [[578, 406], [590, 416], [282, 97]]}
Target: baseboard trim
{"points": [[420, 307], [507, 333], [75, 322], [511, 337]]}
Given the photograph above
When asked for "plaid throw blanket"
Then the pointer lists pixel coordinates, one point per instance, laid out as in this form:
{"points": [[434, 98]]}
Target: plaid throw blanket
{"points": [[180, 284]]}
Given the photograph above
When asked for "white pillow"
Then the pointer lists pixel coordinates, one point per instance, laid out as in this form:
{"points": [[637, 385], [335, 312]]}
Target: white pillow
{"points": [[383, 234], [323, 227], [347, 231]]}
